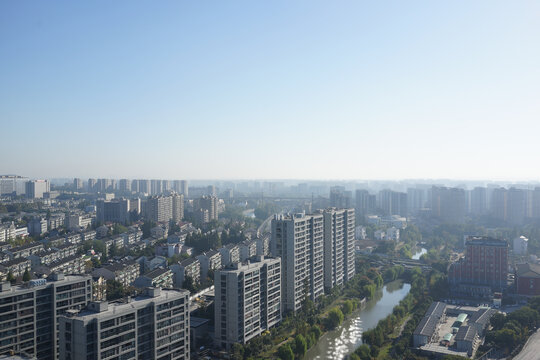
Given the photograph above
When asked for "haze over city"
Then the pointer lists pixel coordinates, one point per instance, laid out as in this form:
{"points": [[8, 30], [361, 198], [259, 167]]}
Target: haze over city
{"points": [[270, 90]]}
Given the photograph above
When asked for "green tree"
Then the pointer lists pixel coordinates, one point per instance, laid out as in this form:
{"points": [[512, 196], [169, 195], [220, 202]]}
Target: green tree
{"points": [[189, 284], [497, 321], [115, 290], [347, 307], [363, 352], [146, 227], [10, 277], [300, 345], [335, 317], [285, 352], [237, 351], [26, 276], [119, 229]]}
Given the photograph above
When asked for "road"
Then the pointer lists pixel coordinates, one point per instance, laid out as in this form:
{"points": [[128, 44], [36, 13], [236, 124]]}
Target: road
{"points": [[531, 350]]}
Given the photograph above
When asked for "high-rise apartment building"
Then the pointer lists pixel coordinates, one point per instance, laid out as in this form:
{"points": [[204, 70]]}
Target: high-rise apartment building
{"points": [[247, 301], [448, 204], [124, 185], [340, 198], [299, 240], [393, 202], [154, 325], [485, 263], [116, 210], [479, 201], [29, 313], [517, 206], [91, 185], [416, 199], [12, 184], [156, 187], [36, 188], [365, 202], [499, 204], [159, 208], [339, 228], [209, 203], [165, 185], [177, 207], [78, 184]]}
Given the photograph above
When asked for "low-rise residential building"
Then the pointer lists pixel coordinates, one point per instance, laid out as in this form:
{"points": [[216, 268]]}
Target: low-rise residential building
{"points": [[24, 251], [125, 272], [263, 245], [66, 249], [187, 268], [379, 235], [73, 238], [37, 226], [467, 339], [528, 279], [248, 249], [7, 232], [89, 235], [210, 260], [159, 232], [44, 258], [73, 264], [99, 288], [230, 254], [79, 221], [392, 234], [16, 266], [159, 278], [56, 221]]}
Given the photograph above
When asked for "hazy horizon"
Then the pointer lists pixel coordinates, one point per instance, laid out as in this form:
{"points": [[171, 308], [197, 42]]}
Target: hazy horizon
{"points": [[270, 90]]}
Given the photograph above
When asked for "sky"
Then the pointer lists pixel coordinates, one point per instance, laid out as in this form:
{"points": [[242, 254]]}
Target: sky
{"points": [[270, 89]]}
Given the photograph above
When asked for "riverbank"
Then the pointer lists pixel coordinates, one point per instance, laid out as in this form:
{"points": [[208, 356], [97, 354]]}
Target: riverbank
{"points": [[338, 343]]}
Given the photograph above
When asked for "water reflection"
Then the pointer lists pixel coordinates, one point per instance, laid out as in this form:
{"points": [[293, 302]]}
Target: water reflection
{"points": [[346, 338], [419, 253]]}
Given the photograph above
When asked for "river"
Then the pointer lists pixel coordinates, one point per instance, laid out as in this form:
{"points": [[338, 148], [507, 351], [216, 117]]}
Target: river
{"points": [[417, 255], [347, 337]]}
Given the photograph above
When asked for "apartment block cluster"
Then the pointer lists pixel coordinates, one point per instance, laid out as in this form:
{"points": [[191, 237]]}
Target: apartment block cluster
{"points": [[316, 251], [55, 317]]}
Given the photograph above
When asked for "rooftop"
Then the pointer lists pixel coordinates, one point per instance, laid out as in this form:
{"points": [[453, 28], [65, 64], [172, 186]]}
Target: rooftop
{"points": [[485, 241], [156, 272], [528, 270], [140, 301], [427, 326], [466, 333]]}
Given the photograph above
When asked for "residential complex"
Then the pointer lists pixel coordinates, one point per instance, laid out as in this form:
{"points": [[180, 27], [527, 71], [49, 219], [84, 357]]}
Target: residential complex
{"points": [[154, 325]]}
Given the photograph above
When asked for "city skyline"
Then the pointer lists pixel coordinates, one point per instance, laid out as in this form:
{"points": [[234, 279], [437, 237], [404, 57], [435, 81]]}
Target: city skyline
{"points": [[240, 90]]}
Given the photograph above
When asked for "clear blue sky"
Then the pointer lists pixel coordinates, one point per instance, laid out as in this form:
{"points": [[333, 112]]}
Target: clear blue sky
{"points": [[270, 89]]}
